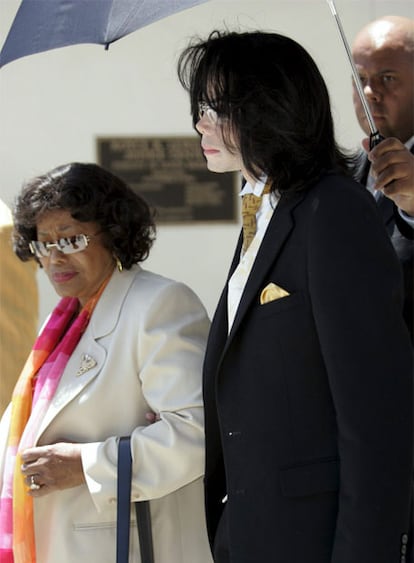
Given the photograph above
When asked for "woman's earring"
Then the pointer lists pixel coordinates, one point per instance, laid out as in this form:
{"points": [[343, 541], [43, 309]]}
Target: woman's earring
{"points": [[118, 263]]}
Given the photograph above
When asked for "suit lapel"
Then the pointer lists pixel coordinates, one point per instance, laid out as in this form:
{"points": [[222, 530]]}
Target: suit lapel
{"points": [[386, 208], [219, 324], [278, 231], [385, 205]]}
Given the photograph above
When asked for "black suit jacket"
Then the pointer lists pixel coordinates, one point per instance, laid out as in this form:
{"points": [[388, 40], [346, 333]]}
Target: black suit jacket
{"points": [[309, 423], [402, 238]]}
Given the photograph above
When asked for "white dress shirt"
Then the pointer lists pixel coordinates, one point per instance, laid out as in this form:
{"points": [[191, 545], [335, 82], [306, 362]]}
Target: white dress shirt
{"points": [[239, 278]]}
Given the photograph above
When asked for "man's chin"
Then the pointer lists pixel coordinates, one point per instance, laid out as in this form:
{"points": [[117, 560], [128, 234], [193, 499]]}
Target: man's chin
{"points": [[363, 123], [379, 124]]}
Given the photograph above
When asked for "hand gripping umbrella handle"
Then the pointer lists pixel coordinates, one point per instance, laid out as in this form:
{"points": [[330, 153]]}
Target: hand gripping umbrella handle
{"points": [[375, 137]]}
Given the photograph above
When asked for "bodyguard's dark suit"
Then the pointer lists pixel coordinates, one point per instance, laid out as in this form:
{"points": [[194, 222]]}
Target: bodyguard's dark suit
{"points": [[308, 420], [402, 238]]}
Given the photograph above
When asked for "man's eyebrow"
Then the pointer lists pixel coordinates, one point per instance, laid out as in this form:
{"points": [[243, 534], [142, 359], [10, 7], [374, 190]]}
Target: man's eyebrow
{"points": [[388, 71]]}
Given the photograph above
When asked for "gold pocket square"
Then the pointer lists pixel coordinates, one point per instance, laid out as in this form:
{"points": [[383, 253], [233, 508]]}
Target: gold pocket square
{"points": [[272, 292]]}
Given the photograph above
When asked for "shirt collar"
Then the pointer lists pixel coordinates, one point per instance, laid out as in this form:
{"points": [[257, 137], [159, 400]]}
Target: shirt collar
{"points": [[257, 189]]}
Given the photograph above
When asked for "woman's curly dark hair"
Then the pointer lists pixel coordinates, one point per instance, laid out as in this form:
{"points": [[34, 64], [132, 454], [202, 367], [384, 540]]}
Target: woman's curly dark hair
{"points": [[91, 194]]}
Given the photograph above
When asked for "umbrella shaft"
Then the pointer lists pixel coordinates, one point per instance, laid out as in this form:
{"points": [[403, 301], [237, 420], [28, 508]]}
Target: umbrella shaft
{"points": [[355, 74]]}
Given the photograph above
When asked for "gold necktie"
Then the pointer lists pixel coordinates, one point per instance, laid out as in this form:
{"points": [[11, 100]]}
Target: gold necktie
{"points": [[250, 206]]}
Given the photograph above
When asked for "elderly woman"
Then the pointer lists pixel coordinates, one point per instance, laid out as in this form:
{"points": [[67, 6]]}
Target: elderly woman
{"points": [[121, 342]]}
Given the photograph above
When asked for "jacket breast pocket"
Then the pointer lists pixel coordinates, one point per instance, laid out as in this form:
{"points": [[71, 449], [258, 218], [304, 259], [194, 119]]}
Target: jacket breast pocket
{"points": [[314, 478], [292, 301]]}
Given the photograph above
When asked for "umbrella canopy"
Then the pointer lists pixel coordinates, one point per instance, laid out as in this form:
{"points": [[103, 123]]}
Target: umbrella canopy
{"points": [[41, 25]]}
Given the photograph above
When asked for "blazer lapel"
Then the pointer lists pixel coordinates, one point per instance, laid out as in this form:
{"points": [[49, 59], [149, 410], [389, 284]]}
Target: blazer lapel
{"points": [[386, 208], [73, 381], [277, 232], [385, 205], [219, 324], [89, 355]]}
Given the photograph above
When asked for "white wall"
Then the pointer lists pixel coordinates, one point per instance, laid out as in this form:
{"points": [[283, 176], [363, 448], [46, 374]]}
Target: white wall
{"points": [[53, 106]]}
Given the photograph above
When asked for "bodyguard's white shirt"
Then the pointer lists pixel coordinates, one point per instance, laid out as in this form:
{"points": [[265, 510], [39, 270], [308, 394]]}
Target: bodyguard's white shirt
{"points": [[239, 278]]}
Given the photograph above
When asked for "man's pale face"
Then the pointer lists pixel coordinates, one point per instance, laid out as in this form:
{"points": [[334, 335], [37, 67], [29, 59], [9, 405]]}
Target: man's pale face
{"points": [[219, 158], [386, 70]]}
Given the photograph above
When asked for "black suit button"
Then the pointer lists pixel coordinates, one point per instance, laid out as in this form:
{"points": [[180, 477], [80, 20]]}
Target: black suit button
{"points": [[404, 539]]}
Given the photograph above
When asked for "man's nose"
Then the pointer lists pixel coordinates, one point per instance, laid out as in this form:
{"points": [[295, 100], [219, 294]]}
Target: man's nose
{"points": [[203, 124], [371, 92]]}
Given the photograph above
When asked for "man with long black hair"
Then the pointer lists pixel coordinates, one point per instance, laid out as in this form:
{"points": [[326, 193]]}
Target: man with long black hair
{"points": [[308, 421]]}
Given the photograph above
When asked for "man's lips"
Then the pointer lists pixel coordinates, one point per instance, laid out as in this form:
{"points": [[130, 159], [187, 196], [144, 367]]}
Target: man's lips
{"points": [[62, 277], [376, 110], [209, 150], [375, 116]]}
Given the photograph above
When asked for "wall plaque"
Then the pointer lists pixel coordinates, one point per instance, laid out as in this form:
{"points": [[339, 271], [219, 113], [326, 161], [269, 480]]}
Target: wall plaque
{"points": [[171, 174]]}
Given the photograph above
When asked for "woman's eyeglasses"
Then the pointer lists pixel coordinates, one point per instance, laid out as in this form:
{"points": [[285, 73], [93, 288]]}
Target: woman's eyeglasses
{"points": [[67, 245]]}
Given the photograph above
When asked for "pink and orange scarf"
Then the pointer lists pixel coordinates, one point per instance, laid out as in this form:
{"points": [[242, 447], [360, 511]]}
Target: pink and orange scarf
{"points": [[44, 366]]}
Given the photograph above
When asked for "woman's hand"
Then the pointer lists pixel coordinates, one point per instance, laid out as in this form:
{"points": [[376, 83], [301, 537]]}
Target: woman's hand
{"points": [[52, 468], [152, 417]]}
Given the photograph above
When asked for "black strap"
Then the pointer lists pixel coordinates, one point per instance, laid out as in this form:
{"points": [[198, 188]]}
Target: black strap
{"points": [[142, 510], [124, 500], [124, 507]]}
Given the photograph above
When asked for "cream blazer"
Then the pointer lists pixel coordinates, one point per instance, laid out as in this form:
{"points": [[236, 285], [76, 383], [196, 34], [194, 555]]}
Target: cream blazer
{"points": [[18, 309], [142, 350]]}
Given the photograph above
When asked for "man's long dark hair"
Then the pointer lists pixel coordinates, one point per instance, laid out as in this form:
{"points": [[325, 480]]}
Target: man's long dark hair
{"points": [[276, 102]]}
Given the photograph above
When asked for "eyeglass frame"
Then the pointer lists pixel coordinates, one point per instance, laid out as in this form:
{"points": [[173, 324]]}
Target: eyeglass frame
{"points": [[204, 109], [60, 247]]}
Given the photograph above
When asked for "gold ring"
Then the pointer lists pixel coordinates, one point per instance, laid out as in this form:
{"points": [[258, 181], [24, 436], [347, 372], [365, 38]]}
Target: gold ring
{"points": [[33, 485]]}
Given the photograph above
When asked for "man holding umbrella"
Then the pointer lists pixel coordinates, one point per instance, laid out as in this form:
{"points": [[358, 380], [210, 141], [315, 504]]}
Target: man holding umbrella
{"points": [[383, 52]]}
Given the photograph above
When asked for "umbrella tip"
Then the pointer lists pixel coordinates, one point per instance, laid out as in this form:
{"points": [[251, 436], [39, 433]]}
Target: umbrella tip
{"points": [[106, 46]]}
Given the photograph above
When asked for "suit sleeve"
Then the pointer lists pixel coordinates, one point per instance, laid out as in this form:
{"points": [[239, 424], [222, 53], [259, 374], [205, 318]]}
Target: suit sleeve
{"points": [[167, 454], [356, 292]]}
